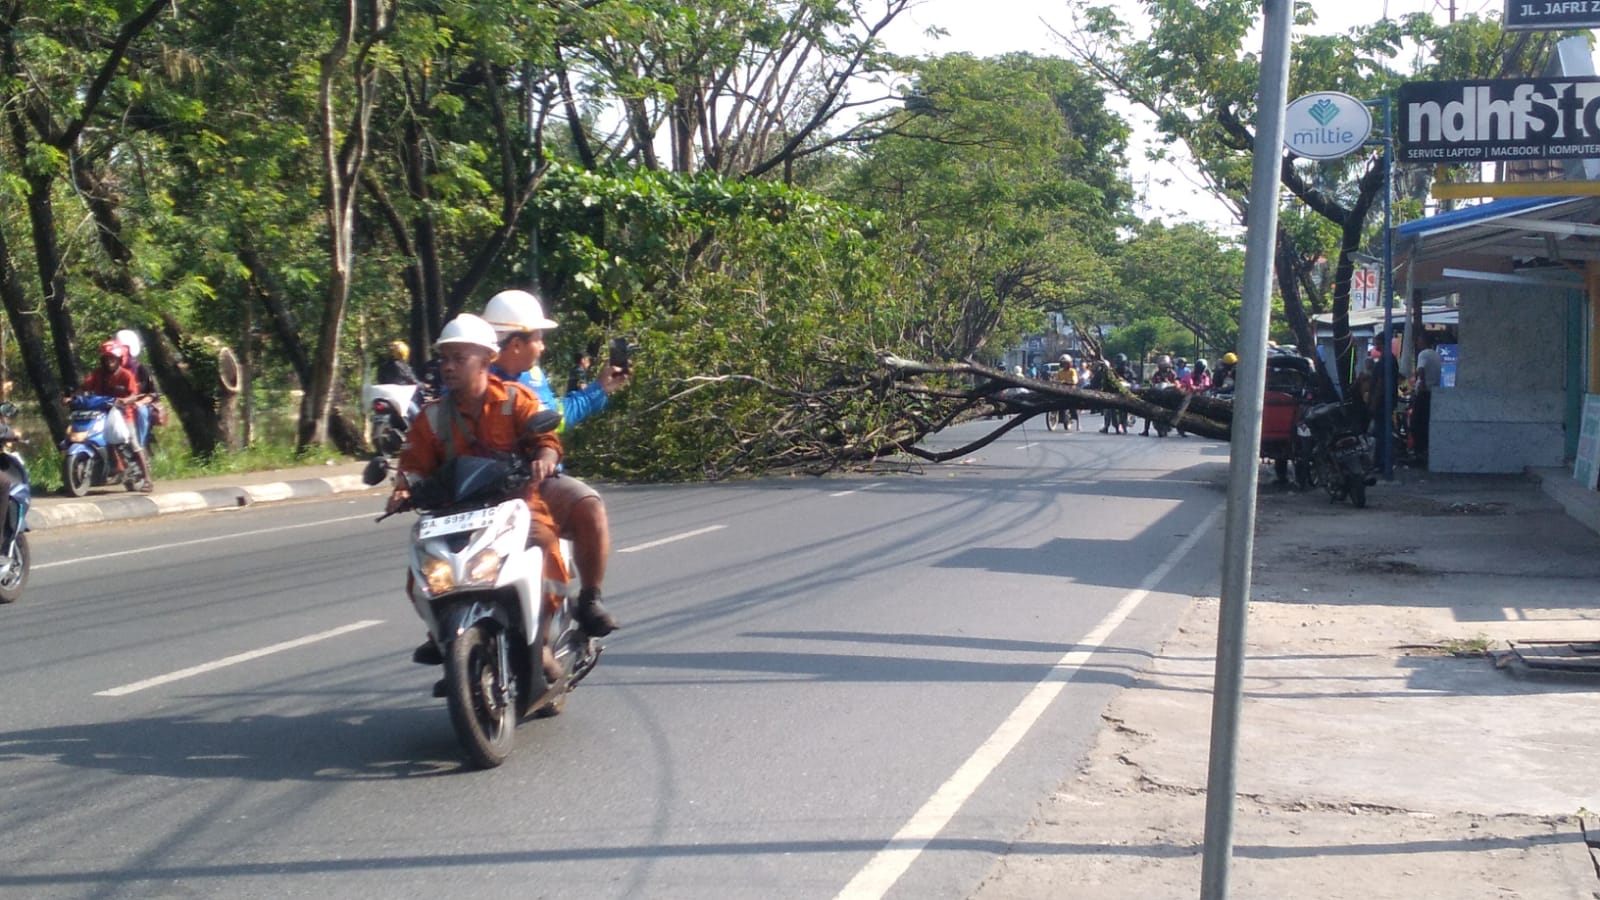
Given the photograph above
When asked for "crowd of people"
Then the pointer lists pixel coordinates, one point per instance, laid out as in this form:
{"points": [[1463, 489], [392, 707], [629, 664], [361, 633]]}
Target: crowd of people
{"points": [[1412, 397]]}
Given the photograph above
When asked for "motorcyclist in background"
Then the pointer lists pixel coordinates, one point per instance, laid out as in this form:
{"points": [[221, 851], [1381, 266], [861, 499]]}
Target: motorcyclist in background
{"points": [[1164, 374], [1115, 419], [147, 411], [1067, 376], [112, 379], [519, 323], [397, 368], [1222, 381]]}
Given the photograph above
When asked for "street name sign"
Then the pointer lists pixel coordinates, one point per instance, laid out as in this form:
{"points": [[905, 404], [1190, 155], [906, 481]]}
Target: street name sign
{"points": [[1550, 15]]}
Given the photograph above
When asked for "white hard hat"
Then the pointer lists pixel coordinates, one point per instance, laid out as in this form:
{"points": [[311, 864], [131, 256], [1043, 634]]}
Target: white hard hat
{"points": [[130, 339], [514, 311], [468, 329]]}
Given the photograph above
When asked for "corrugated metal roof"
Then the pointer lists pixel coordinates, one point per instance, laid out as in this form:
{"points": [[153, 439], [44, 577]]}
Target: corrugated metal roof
{"points": [[1471, 215], [1557, 228]]}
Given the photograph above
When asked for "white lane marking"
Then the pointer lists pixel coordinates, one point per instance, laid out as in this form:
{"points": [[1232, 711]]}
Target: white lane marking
{"points": [[670, 539], [1027, 445], [864, 487], [204, 540], [235, 660], [887, 865]]}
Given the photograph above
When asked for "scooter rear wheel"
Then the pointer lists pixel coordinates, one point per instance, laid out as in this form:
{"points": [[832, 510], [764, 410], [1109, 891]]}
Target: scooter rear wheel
{"points": [[484, 725], [1356, 487]]}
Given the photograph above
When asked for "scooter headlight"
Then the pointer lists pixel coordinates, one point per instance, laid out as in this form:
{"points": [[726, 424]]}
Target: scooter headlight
{"points": [[436, 576], [485, 568]]}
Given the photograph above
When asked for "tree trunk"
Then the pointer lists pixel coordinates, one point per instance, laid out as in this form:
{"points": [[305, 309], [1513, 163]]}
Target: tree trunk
{"points": [[52, 277], [29, 333], [192, 403], [344, 153]]}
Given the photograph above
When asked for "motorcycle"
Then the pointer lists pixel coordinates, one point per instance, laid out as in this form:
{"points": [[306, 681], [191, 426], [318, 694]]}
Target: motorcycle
{"points": [[390, 409], [14, 558], [501, 615], [1342, 457], [89, 458]]}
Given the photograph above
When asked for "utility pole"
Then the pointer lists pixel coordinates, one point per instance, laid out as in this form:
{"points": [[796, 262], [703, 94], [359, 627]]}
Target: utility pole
{"points": [[1244, 456]]}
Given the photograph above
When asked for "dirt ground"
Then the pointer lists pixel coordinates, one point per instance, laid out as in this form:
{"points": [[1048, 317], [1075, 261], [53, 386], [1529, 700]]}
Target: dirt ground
{"points": [[1381, 753]]}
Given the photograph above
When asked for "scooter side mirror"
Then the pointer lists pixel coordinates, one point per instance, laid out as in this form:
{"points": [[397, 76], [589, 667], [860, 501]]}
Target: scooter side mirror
{"points": [[543, 421], [376, 471]]}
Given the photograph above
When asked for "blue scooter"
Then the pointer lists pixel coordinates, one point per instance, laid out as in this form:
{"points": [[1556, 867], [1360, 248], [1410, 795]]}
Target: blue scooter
{"points": [[14, 518], [88, 459]]}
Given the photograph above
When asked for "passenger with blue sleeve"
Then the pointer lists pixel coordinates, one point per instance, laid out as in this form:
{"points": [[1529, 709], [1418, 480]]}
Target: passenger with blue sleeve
{"points": [[519, 324]]}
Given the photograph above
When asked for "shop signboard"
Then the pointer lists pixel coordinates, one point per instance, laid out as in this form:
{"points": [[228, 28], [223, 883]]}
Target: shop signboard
{"points": [[1326, 125], [1503, 119]]}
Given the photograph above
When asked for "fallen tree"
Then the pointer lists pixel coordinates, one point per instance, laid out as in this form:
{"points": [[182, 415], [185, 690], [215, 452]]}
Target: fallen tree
{"points": [[737, 425]]}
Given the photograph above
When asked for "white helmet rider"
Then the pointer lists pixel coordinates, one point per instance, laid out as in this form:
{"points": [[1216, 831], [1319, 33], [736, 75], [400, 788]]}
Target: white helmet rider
{"points": [[1164, 361], [516, 311], [130, 339], [469, 329]]}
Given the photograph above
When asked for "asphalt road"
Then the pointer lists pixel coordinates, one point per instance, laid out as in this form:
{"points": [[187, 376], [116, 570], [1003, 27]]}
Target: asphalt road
{"points": [[843, 687]]}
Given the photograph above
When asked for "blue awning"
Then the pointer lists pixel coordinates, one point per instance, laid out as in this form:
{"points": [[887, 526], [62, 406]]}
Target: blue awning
{"points": [[1483, 212]]}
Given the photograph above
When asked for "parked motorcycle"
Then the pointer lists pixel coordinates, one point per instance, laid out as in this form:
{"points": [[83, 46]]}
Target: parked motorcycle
{"points": [[1342, 457], [500, 614], [14, 558], [390, 409], [88, 457]]}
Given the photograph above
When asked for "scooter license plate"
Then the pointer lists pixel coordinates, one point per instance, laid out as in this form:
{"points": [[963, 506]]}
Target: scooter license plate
{"points": [[471, 520]]}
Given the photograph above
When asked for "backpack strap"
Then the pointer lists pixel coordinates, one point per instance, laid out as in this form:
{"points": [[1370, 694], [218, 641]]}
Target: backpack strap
{"points": [[445, 422]]}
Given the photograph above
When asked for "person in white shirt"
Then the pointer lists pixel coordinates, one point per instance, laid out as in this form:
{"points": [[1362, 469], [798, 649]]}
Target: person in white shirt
{"points": [[1430, 369]]}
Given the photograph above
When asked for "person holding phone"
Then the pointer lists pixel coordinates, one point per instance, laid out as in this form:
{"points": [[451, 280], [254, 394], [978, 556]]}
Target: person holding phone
{"points": [[519, 323]]}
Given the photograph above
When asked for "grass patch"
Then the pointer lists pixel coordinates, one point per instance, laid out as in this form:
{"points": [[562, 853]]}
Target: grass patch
{"points": [[44, 465], [1472, 646]]}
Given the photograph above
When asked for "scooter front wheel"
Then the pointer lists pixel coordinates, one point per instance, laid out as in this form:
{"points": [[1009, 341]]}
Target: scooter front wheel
{"points": [[77, 474], [16, 575], [485, 723]]}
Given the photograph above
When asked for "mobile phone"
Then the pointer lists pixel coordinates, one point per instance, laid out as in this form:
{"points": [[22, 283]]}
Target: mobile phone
{"points": [[621, 354]]}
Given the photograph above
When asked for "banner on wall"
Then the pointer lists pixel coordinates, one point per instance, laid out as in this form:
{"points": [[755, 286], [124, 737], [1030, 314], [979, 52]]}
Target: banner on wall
{"points": [[1586, 468], [1449, 356]]}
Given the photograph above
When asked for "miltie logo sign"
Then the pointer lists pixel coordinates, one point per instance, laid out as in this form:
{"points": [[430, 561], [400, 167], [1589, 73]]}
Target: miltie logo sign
{"points": [[1488, 121], [1326, 125]]}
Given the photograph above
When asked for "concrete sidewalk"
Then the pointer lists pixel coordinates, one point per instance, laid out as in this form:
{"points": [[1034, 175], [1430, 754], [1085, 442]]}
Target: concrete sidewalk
{"points": [[108, 504], [1375, 761]]}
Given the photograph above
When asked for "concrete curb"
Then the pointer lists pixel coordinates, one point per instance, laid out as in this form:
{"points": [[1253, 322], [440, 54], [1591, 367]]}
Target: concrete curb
{"points": [[95, 510]]}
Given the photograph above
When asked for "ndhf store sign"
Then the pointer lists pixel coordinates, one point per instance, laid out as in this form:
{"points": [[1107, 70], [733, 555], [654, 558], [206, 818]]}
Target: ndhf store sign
{"points": [[1508, 119]]}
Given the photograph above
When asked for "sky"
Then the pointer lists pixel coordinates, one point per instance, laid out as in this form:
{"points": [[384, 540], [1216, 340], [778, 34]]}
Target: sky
{"points": [[992, 27]]}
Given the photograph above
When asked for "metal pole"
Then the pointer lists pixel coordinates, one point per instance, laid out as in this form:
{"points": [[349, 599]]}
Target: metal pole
{"points": [[1244, 459], [1386, 427]]}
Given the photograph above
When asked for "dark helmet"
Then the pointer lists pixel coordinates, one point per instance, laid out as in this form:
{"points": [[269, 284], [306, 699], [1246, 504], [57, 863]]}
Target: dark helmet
{"points": [[1121, 359]]}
